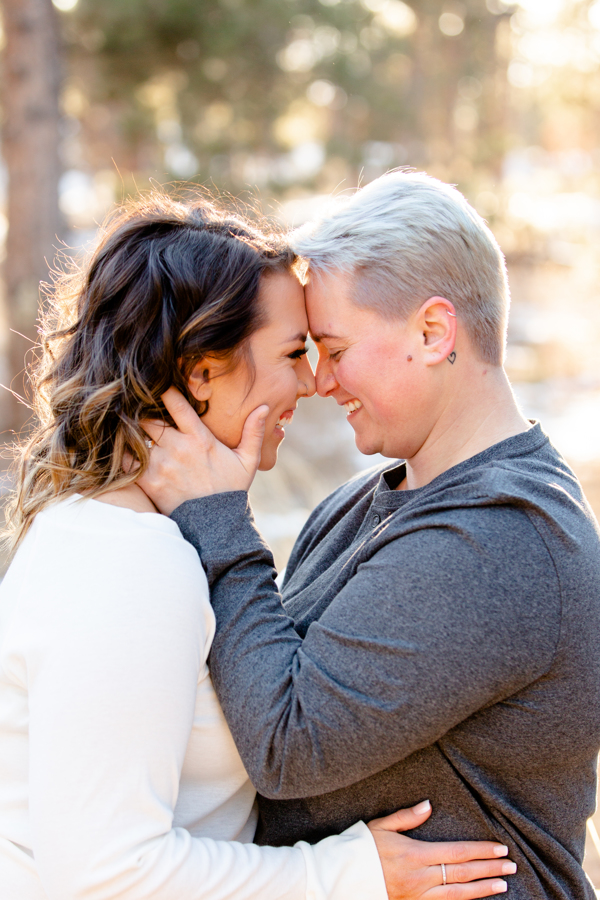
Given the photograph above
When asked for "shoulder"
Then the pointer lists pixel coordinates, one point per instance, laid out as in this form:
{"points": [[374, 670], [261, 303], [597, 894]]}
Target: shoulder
{"points": [[538, 484], [98, 584], [128, 530], [84, 549], [483, 564], [518, 518]]}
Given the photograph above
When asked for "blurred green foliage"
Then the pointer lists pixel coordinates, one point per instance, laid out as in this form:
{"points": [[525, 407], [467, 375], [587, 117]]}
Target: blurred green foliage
{"points": [[282, 93]]}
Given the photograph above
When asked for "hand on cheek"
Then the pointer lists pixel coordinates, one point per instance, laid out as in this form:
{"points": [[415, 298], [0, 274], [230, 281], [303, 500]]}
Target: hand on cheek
{"points": [[188, 462]]}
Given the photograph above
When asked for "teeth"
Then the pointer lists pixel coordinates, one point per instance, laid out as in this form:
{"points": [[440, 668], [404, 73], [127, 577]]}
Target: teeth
{"points": [[351, 405], [282, 421]]}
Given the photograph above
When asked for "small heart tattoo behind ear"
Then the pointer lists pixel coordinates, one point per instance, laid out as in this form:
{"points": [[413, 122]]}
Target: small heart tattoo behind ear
{"points": [[452, 358]]}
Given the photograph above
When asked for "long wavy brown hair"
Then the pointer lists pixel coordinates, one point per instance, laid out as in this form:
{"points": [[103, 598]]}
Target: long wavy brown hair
{"points": [[169, 282]]}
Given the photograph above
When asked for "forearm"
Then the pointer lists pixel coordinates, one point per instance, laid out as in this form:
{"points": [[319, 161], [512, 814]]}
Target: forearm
{"points": [[306, 715], [362, 691]]}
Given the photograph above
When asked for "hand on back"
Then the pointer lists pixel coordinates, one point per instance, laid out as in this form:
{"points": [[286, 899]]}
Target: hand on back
{"points": [[412, 869]]}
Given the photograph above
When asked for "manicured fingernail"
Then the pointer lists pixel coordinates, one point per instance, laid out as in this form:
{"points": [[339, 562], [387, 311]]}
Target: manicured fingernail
{"points": [[509, 868], [500, 850], [499, 887], [421, 808]]}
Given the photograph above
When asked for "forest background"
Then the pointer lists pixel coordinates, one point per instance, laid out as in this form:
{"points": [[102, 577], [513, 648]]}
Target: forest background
{"points": [[288, 103]]}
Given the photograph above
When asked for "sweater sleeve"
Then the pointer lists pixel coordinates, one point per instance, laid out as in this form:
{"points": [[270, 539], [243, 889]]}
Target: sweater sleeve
{"points": [[113, 661], [429, 630]]}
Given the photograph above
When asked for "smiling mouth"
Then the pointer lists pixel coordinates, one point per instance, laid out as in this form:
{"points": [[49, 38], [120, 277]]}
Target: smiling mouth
{"points": [[351, 406], [285, 418]]}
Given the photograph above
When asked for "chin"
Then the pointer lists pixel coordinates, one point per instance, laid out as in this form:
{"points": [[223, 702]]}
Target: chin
{"points": [[268, 460], [367, 449]]}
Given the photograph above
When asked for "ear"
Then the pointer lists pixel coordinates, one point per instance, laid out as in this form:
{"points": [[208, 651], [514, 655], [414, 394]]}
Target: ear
{"points": [[437, 321], [200, 378]]}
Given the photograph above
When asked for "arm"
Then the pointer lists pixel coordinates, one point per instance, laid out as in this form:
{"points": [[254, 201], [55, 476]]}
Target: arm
{"points": [[428, 614], [113, 669]]}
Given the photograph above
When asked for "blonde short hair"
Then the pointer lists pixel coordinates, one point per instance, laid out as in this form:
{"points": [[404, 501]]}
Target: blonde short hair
{"points": [[407, 237]]}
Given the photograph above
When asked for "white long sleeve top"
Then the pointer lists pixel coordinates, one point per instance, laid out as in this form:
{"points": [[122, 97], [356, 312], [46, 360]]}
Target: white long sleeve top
{"points": [[118, 775]]}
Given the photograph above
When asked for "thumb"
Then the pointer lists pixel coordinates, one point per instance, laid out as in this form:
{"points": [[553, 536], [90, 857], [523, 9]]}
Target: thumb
{"points": [[404, 819], [249, 448], [129, 464]]}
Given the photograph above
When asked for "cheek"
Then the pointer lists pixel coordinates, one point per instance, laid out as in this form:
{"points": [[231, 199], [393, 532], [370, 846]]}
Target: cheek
{"points": [[274, 388], [226, 428], [364, 377], [225, 416], [383, 381]]}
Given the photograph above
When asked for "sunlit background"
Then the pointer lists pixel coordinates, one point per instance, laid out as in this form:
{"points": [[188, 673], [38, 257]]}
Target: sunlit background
{"points": [[295, 101], [291, 102]]}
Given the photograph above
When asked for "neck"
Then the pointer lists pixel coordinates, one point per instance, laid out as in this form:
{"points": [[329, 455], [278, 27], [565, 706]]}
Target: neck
{"points": [[129, 497], [482, 411]]}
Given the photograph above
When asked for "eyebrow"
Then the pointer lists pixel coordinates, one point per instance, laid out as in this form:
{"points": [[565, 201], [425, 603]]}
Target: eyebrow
{"points": [[317, 338], [297, 337]]}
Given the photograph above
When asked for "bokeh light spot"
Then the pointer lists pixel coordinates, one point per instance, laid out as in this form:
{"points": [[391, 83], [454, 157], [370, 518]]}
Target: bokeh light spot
{"points": [[451, 24]]}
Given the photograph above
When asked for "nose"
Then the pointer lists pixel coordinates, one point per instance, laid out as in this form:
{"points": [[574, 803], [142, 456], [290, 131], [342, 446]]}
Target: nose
{"points": [[326, 381], [306, 378]]}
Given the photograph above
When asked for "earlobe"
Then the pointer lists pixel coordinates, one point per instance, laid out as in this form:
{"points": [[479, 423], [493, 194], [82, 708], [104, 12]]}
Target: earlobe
{"points": [[199, 381], [439, 330]]}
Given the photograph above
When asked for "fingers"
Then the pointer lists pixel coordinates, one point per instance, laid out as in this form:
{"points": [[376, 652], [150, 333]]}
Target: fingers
{"points": [[129, 463], [404, 819], [250, 445], [188, 462], [447, 852], [167, 437], [470, 891], [184, 415], [154, 429], [472, 871]]}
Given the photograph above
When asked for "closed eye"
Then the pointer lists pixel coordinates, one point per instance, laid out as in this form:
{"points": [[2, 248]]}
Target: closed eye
{"points": [[335, 356], [299, 353]]}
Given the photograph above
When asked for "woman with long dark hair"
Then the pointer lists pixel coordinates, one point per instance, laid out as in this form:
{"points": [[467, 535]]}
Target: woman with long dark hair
{"points": [[118, 775]]}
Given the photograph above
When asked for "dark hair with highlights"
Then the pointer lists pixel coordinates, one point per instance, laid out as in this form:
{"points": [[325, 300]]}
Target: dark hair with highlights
{"points": [[170, 282]]}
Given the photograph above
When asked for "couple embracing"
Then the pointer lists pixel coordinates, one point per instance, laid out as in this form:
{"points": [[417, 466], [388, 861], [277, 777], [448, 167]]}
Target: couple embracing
{"points": [[431, 664]]}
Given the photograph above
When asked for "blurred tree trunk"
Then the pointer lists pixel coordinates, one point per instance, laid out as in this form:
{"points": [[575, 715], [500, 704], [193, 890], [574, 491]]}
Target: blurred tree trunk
{"points": [[30, 137]]}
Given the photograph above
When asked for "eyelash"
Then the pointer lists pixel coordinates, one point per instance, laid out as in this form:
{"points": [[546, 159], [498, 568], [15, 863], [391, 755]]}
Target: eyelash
{"points": [[335, 356], [299, 353]]}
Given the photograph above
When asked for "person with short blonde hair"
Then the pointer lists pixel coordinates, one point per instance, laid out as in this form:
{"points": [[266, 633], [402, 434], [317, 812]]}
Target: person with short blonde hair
{"points": [[439, 621], [406, 237]]}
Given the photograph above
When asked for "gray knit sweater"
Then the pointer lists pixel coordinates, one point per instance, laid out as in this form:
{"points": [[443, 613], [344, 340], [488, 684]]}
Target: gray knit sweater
{"points": [[441, 643]]}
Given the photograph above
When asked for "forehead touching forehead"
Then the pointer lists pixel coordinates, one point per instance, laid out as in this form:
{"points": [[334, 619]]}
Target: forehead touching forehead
{"points": [[330, 303], [407, 237], [281, 298], [335, 319]]}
